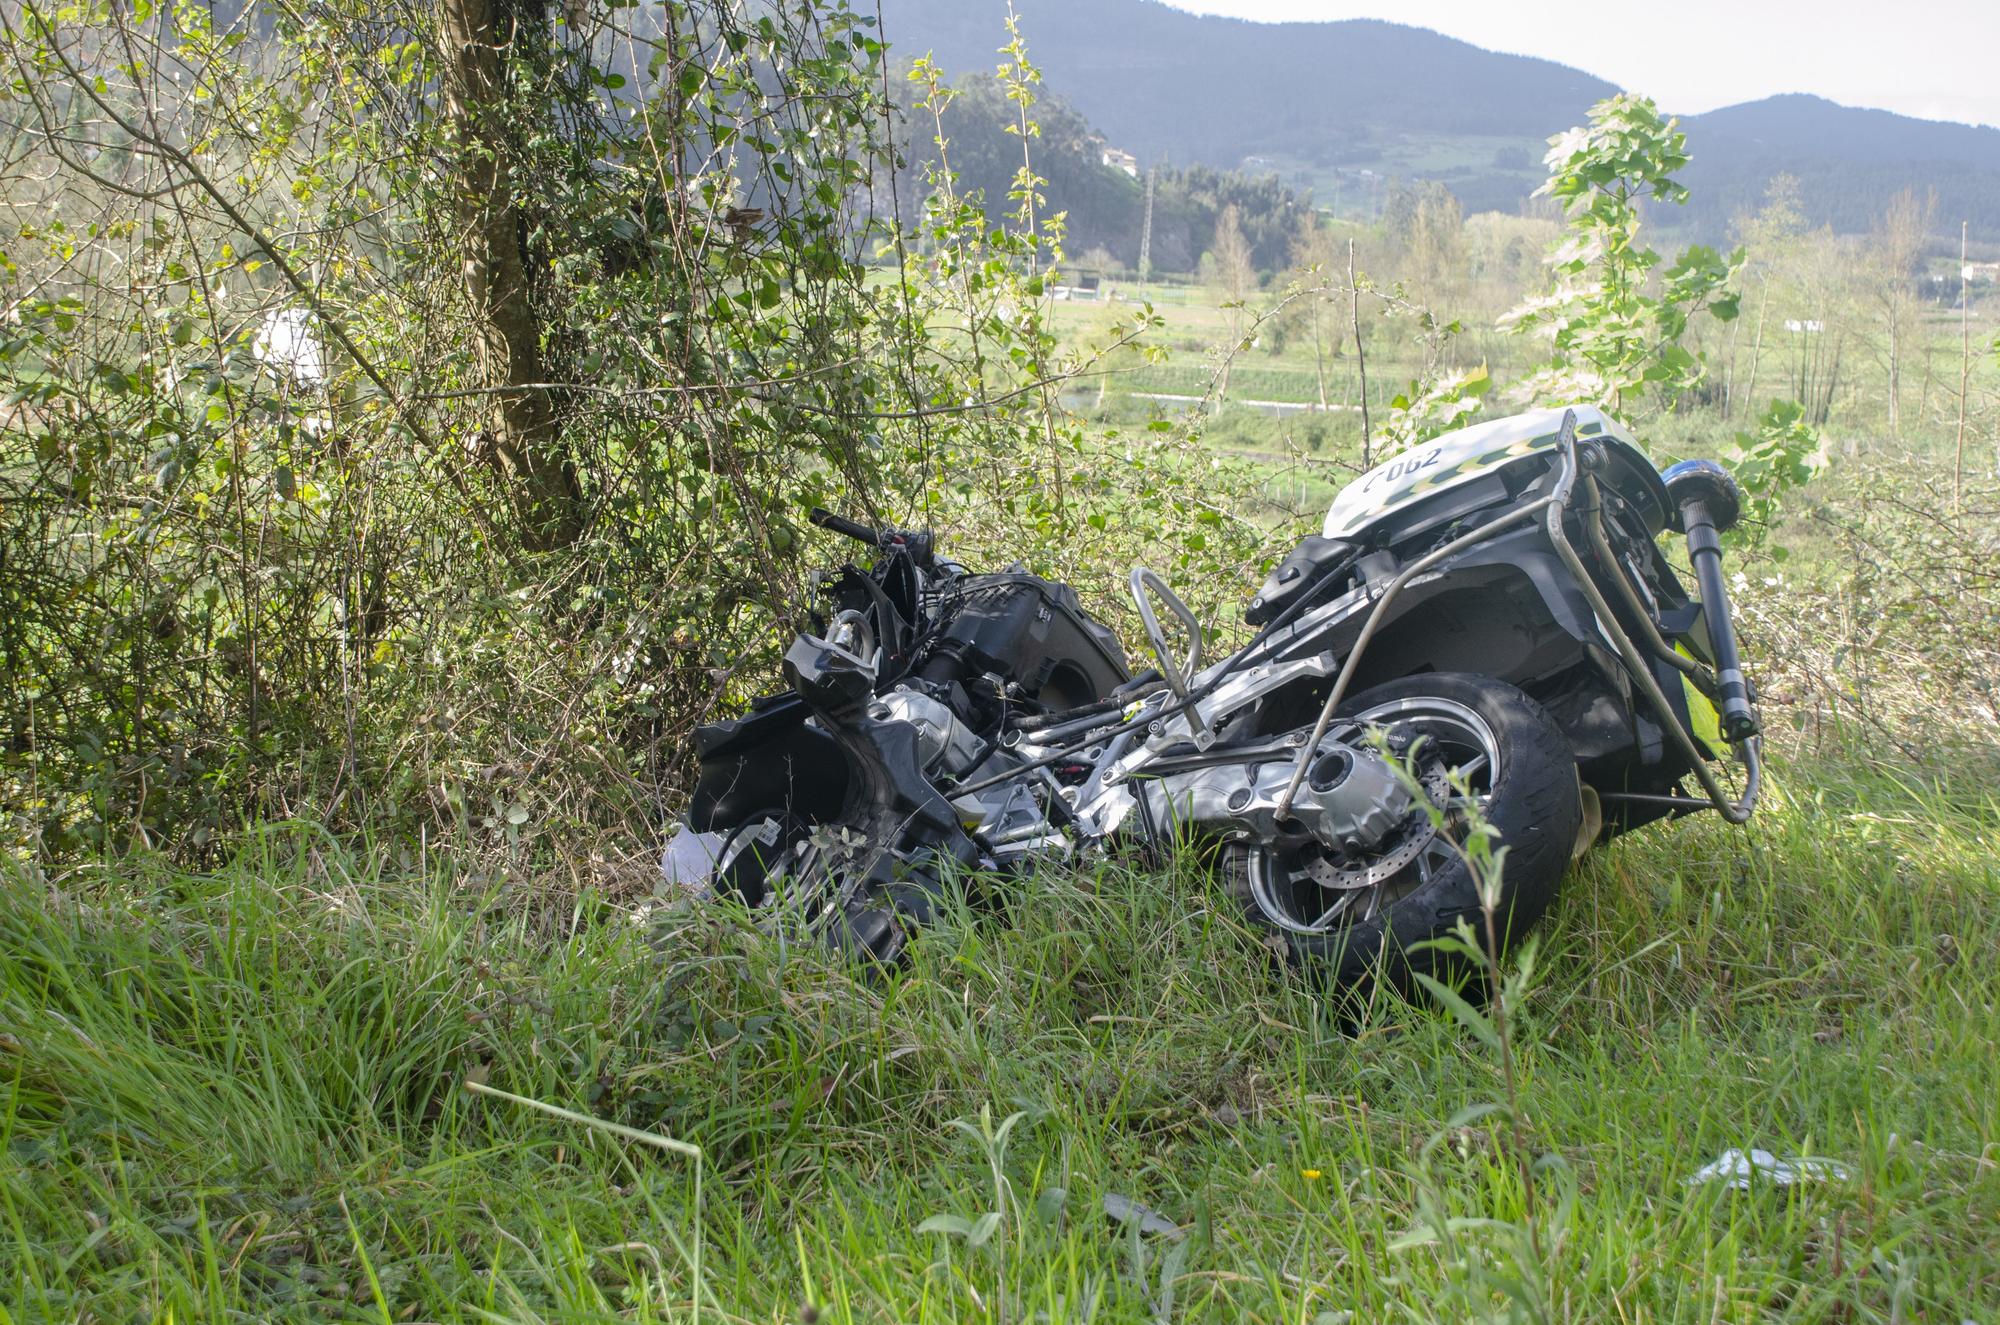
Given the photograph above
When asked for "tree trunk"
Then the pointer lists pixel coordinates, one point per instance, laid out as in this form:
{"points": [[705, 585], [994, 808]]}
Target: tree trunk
{"points": [[1729, 377], [1964, 373], [1895, 380], [1319, 356], [1756, 357], [1924, 394], [525, 449]]}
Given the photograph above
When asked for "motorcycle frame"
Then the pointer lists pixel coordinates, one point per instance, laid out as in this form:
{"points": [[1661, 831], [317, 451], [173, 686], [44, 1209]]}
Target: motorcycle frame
{"points": [[1165, 739]]}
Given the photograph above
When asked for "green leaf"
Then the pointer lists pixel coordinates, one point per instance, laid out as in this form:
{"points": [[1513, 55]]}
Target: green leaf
{"points": [[1125, 1210], [1049, 1203], [1472, 1113], [1468, 1016], [957, 1226]]}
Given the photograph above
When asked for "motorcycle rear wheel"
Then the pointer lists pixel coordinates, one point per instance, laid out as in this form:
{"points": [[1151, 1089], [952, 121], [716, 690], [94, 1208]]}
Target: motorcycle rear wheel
{"points": [[1523, 775]]}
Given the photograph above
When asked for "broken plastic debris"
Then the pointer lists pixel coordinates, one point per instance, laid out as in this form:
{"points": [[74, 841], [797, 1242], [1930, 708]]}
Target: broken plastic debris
{"points": [[1737, 1169], [1125, 1210], [690, 858]]}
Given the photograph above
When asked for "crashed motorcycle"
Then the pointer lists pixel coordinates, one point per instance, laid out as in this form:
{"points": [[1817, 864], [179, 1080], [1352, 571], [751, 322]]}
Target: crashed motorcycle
{"points": [[1487, 622]]}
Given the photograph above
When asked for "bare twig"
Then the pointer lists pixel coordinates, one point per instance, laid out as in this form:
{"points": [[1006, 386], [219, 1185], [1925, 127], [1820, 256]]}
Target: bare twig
{"points": [[1360, 360]]}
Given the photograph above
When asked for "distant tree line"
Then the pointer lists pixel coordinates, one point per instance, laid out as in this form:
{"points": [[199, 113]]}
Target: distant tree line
{"points": [[1847, 196]]}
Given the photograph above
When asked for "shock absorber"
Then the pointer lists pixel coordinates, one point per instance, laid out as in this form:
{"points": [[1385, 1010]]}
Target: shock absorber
{"points": [[1710, 504]]}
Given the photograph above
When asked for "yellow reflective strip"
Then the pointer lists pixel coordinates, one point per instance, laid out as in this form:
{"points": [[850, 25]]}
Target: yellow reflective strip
{"points": [[1702, 714]]}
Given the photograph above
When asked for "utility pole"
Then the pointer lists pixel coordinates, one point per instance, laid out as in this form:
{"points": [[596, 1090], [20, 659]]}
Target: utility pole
{"points": [[1146, 228], [1964, 369]]}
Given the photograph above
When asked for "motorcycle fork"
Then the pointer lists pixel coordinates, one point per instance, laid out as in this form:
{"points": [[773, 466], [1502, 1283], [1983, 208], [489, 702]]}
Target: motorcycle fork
{"points": [[1748, 746]]}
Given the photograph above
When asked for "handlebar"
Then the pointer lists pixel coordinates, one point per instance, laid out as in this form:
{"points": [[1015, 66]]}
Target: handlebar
{"points": [[916, 543], [840, 524]]}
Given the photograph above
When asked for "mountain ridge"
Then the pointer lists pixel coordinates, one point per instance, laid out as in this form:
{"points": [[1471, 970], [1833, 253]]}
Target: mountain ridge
{"points": [[1983, 133], [1335, 107]]}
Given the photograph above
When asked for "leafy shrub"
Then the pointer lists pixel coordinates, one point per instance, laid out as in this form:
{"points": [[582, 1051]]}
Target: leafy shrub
{"points": [[434, 453], [1784, 453], [1617, 338]]}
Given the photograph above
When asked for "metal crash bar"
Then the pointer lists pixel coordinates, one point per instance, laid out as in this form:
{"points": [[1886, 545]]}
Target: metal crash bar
{"points": [[1735, 811], [1144, 585]]}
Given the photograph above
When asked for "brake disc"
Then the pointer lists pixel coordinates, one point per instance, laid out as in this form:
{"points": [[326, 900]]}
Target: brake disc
{"points": [[1416, 832], [1327, 874]]}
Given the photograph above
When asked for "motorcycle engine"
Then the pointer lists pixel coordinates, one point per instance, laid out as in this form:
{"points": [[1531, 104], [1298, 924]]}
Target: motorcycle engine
{"points": [[944, 744]]}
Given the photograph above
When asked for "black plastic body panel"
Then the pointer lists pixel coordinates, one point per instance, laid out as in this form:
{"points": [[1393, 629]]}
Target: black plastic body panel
{"points": [[1507, 608], [1305, 566], [1032, 632], [767, 762]]}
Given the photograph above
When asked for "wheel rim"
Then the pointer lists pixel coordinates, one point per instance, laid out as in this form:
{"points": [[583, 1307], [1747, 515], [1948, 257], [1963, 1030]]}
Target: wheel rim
{"points": [[1455, 743]]}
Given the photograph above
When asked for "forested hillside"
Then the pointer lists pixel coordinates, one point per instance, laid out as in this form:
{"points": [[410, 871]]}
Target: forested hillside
{"points": [[1848, 162], [1322, 102], [1161, 81], [1104, 206]]}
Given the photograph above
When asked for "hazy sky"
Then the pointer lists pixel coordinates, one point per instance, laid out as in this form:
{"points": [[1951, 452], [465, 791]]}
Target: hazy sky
{"points": [[1939, 59]]}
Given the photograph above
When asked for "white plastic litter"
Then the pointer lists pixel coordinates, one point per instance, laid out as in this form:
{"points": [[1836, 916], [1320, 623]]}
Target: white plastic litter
{"points": [[1738, 1169], [690, 859], [290, 343]]}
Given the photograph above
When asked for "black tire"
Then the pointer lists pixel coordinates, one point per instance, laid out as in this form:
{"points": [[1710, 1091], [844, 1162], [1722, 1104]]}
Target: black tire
{"points": [[1533, 800]]}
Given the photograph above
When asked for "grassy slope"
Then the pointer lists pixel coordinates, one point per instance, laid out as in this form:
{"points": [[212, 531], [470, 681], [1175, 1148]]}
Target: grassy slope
{"points": [[231, 1096]]}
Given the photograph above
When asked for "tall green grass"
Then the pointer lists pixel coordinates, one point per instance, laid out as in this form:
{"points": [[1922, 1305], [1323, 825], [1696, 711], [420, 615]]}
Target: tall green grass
{"points": [[235, 1096]]}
